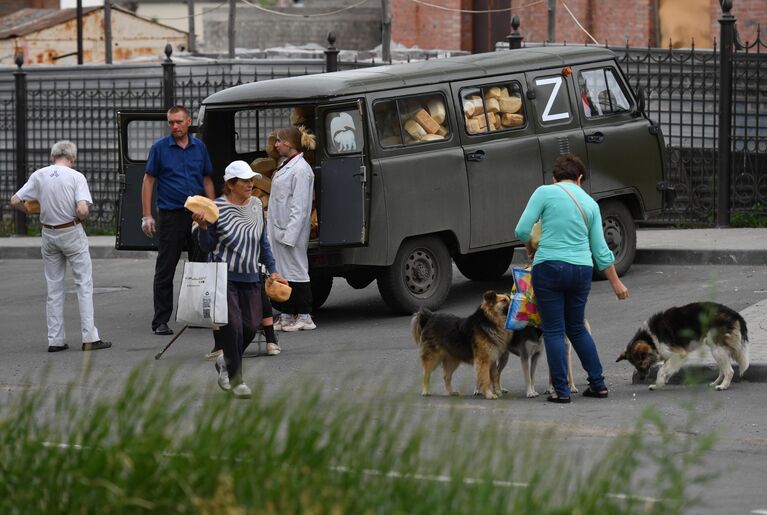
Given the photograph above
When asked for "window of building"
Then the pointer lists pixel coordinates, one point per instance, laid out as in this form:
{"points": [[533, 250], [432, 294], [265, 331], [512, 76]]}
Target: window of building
{"points": [[411, 120], [493, 108]]}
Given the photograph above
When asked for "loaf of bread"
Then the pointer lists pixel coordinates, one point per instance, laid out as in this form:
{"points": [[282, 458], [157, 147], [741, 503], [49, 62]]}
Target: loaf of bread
{"points": [[442, 131], [198, 203], [504, 92], [270, 150], [510, 104], [277, 291], [494, 92], [432, 137], [262, 182], [476, 124], [436, 110], [33, 207], [497, 124], [264, 165], [429, 124], [491, 104], [264, 198], [512, 120], [472, 106], [415, 130]]}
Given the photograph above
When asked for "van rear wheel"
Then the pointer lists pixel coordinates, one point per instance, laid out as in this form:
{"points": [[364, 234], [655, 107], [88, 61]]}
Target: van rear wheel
{"points": [[420, 276], [321, 285], [620, 234], [485, 266]]}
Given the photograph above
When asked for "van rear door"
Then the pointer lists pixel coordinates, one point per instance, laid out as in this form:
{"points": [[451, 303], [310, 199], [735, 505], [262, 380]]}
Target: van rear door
{"points": [[137, 131], [343, 176], [559, 129]]}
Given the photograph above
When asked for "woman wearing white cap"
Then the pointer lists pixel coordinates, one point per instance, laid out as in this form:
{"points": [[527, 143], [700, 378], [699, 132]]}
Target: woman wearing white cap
{"points": [[239, 239]]}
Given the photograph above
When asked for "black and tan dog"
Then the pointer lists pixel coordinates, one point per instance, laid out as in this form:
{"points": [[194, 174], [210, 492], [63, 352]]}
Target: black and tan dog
{"points": [[480, 339], [669, 336]]}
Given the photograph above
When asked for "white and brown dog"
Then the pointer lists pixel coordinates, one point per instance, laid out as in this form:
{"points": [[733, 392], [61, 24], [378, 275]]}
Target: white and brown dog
{"points": [[669, 336]]}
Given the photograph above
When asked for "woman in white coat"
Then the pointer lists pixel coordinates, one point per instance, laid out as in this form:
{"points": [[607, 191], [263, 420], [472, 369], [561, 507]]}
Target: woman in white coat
{"points": [[289, 220]]}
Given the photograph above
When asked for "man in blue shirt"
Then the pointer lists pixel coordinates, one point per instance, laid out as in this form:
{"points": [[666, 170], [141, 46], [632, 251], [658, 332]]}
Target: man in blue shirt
{"points": [[180, 166]]}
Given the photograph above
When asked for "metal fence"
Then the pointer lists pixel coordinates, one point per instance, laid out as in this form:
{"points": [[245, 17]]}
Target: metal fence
{"points": [[80, 103], [683, 89]]}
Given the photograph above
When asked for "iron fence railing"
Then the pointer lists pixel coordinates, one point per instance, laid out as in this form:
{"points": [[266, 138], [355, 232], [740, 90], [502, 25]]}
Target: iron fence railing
{"points": [[683, 90]]}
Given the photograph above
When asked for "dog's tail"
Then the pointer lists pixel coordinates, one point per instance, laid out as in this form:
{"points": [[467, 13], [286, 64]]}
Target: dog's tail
{"points": [[418, 322]]}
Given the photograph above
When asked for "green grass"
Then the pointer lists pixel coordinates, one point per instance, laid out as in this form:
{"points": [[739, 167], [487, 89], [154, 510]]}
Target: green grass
{"points": [[156, 448]]}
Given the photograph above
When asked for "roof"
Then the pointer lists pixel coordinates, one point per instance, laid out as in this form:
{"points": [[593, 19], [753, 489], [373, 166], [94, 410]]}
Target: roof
{"points": [[361, 81], [28, 21]]}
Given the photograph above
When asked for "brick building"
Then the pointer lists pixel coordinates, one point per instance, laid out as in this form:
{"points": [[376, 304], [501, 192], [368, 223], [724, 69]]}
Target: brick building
{"points": [[11, 6], [433, 24]]}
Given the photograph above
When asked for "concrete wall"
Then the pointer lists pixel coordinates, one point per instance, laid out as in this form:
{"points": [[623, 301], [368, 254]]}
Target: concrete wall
{"points": [[356, 29]]}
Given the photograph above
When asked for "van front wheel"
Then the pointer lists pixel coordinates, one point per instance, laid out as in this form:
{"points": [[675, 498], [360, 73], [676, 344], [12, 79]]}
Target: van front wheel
{"points": [[485, 266], [419, 277], [620, 234]]}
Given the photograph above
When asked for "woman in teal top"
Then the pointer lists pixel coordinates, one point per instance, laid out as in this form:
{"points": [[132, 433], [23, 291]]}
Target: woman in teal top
{"points": [[562, 268]]}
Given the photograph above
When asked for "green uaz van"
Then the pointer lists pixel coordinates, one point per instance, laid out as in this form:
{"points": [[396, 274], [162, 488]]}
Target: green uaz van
{"points": [[421, 164]]}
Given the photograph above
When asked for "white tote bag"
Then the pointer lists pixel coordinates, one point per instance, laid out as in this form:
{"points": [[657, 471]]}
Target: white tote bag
{"points": [[202, 298]]}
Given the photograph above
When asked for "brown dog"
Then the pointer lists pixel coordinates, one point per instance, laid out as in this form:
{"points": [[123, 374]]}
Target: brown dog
{"points": [[480, 339]]}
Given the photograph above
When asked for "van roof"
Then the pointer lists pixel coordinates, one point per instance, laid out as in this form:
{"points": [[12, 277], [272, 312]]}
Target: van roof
{"points": [[364, 80]]}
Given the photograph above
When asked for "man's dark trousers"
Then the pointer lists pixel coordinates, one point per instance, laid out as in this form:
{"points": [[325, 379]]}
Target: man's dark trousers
{"points": [[175, 234]]}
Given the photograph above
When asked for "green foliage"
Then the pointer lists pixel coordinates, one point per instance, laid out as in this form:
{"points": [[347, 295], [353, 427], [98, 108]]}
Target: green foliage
{"points": [[756, 217], [154, 448]]}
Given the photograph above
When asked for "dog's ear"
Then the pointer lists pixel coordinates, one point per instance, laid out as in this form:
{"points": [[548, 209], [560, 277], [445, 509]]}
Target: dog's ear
{"points": [[621, 357], [489, 296]]}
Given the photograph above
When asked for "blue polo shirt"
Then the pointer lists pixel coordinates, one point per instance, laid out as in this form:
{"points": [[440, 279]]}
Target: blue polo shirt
{"points": [[179, 171]]}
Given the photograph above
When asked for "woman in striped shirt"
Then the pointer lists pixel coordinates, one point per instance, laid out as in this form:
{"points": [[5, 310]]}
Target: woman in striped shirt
{"points": [[239, 239]]}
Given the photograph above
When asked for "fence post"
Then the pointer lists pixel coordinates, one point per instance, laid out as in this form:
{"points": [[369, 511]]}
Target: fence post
{"points": [[331, 54], [20, 98], [515, 38], [168, 78], [727, 38]]}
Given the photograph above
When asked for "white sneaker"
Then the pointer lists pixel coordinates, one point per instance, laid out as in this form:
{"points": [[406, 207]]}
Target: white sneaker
{"points": [[283, 320], [301, 323], [272, 349], [241, 391], [223, 375]]}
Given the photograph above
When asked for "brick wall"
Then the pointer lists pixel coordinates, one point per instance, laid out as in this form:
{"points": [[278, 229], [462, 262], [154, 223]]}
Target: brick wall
{"points": [[749, 15], [613, 21], [428, 27], [11, 6]]}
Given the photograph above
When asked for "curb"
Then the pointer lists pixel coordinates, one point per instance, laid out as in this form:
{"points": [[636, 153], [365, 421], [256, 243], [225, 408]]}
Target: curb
{"points": [[700, 257], [97, 252], [705, 374]]}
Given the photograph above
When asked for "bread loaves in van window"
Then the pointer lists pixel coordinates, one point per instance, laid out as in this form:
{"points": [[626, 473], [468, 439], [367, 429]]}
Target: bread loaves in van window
{"points": [[442, 131], [512, 120], [510, 104], [491, 104], [427, 122], [494, 92], [436, 110], [504, 92], [415, 130], [432, 137]]}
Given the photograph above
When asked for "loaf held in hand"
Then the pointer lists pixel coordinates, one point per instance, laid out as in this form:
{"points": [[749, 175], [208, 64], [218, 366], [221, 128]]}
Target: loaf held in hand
{"points": [[198, 203]]}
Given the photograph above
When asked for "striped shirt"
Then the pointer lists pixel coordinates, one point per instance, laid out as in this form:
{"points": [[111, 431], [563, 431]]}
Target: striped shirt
{"points": [[239, 239]]}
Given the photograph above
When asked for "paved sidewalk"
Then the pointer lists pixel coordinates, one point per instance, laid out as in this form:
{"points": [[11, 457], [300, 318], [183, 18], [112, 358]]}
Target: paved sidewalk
{"points": [[654, 246]]}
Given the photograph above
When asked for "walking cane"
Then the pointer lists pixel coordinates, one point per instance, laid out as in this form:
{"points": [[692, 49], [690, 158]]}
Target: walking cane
{"points": [[159, 354]]}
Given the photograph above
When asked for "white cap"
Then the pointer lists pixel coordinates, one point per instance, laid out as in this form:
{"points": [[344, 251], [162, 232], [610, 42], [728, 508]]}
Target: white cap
{"points": [[238, 170]]}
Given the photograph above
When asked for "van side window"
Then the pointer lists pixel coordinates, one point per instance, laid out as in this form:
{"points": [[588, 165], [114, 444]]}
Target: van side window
{"points": [[344, 132], [411, 120], [493, 108], [552, 100], [602, 93]]}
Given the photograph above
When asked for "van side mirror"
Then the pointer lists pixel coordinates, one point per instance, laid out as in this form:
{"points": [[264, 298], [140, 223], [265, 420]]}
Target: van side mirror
{"points": [[640, 100]]}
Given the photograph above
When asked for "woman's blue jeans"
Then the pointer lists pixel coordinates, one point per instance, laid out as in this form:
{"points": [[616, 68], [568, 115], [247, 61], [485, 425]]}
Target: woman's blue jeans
{"points": [[561, 291]]}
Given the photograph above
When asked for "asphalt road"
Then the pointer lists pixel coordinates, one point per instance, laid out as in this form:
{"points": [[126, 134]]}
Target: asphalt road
{"points": [[360, 350]]}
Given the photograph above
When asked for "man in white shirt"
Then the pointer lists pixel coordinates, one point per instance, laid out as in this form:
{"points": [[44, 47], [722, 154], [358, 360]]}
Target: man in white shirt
{"points": [[65, 202]]}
